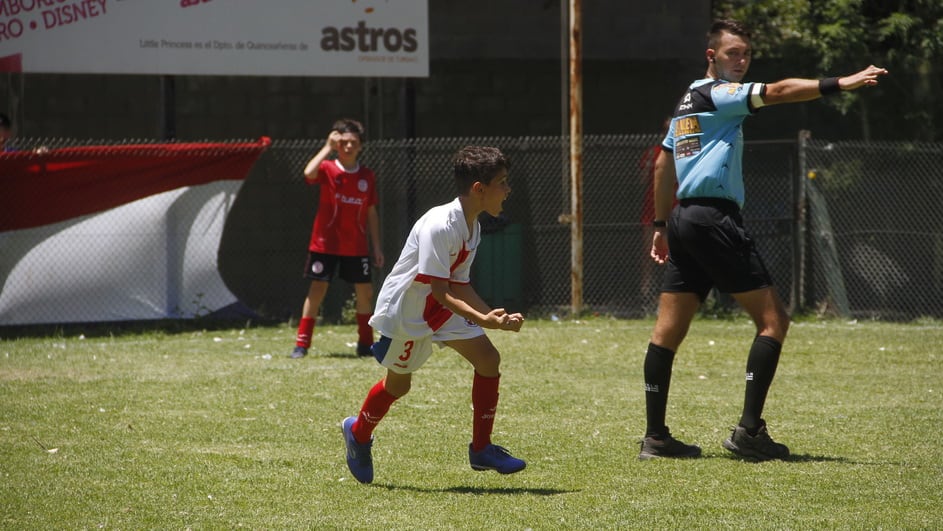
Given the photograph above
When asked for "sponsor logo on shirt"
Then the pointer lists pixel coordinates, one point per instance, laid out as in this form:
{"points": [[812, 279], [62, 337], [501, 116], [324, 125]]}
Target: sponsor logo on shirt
{"points": [[347, 200], [731, 88], [685, 127], [687, 147], [689, 125]]}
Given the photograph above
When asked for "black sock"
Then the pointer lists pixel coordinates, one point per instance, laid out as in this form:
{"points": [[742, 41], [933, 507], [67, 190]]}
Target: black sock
{"points": [[658, 361], [761, 367]]}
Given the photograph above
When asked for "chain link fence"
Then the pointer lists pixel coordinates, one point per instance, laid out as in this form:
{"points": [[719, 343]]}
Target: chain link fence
{"points": [[524, 262], [845, 228], [875, 229]]}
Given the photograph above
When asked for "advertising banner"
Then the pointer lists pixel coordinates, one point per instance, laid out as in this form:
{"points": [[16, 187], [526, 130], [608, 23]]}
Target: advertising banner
{"points": [[337, 38]]}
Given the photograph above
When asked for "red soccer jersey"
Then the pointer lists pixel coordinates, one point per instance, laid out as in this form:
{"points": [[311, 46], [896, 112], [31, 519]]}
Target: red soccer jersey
{"points": [[647, 165], [340, 227]]}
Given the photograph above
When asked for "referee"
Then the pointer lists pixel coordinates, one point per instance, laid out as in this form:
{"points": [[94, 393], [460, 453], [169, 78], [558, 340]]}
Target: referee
{"points": [[703, 241]]}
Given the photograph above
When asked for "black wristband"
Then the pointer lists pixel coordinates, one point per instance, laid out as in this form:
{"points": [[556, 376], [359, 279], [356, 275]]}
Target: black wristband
{"points": [[659, 223], [829, 85]]}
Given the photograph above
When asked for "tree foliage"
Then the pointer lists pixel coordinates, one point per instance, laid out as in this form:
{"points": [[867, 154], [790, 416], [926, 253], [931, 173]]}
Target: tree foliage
{"points": [[837, 37]]}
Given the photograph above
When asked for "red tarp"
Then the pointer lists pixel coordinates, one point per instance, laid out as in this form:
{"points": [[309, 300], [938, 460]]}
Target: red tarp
{"points": [[38, 189]]}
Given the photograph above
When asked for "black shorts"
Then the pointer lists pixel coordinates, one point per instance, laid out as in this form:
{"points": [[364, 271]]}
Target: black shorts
{"points": [[353, 269], [708, 247]]}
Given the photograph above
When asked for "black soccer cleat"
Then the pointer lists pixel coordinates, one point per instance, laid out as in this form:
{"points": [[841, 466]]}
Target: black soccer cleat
{"points": [[760, 447], [664, 445]]}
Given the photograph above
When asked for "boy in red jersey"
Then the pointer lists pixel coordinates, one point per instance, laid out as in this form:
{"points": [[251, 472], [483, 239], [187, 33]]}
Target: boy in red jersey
{"points": [[648, 288], [347, 215]]}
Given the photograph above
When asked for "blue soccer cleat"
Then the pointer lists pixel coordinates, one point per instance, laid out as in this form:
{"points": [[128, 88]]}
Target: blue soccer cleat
{"points": [[493, 457], [359, 459]]}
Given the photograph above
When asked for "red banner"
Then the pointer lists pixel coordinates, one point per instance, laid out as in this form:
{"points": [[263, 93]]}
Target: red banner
{"points": [[11, 63], [59, 184]]}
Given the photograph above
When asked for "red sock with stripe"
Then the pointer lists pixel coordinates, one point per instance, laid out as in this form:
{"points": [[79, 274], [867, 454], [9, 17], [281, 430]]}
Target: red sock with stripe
{"points": [[374, 408], [305, 331], [484, 405], [364, 331]]}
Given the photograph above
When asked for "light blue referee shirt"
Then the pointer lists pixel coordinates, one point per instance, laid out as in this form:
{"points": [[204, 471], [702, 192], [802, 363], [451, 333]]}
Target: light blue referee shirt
{"points": [[706, 138]]}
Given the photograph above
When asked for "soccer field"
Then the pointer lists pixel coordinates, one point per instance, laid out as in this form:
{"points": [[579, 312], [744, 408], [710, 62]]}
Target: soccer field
{"points": [[220, 430]]}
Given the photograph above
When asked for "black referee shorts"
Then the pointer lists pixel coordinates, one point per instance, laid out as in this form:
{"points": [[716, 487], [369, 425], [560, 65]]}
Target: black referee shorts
{"points": [[708, 247]]}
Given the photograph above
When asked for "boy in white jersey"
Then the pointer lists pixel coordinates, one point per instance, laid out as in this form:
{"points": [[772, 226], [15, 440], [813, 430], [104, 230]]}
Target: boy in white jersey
{"points": [[427, 298]]}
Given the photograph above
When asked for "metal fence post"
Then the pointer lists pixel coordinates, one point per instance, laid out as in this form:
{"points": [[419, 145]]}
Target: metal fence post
{"points": [[576, 158], [799, 249]]}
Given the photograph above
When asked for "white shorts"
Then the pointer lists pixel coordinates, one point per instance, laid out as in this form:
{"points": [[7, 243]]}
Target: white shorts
{"points": [[406, 354]]}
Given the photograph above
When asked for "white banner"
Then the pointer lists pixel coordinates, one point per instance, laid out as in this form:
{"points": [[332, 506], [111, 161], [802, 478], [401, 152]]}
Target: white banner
{"points": [[374, 38], [155, 258]]}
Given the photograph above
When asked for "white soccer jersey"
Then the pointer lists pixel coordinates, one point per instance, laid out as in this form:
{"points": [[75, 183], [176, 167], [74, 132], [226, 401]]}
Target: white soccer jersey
{"points": [[439, 246]]}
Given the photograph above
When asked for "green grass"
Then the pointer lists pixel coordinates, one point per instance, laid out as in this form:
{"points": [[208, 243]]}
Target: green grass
{"points": [[220, 430]]}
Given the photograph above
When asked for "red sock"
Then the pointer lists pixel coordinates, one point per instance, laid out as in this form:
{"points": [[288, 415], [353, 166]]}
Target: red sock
{"points": [[376, 405], [364, 332], [305, 331], [484, 405]]}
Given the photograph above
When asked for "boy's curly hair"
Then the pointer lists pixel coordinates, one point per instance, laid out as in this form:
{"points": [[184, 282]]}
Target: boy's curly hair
{"points": [[478, 163]]}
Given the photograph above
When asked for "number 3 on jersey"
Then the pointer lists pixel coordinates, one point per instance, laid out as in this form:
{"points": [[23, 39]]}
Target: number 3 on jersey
{"points": [[407, 350]]}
